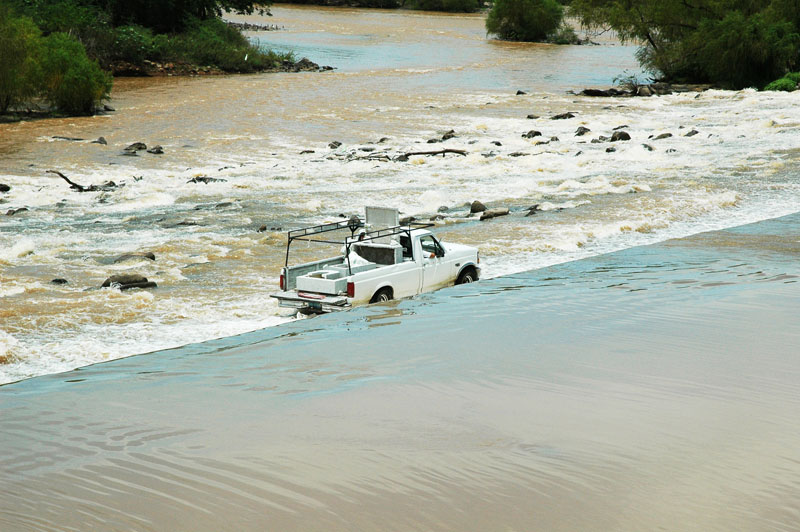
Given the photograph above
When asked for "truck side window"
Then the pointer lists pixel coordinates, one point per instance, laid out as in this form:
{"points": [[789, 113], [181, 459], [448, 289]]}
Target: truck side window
{"points": [[430, 245]]}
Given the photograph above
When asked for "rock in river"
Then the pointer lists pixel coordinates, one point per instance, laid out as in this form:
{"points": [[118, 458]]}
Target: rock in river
{"points": [[4, 187], [136, 146], [126, 281], [138, 255], [476, 206], [620, 135], [494, 213]]}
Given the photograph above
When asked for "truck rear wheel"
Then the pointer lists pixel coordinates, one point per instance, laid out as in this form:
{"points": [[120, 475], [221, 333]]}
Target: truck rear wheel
{"points": [[382, 295], [467, 276]]}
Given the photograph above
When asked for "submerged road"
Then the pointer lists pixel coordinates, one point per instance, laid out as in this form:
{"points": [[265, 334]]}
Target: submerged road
{"points": [[653, 387]]}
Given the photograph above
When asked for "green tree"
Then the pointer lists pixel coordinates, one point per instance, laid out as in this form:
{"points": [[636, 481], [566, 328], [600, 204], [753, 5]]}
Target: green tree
{"points": [[20, 44], [70, 80], [734, 42], [167, 16], [524, 20]]}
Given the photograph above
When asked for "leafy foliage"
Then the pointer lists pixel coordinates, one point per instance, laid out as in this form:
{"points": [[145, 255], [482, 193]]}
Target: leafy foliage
{"points": [[20, 43], [213, 43], [737, 43], [166, 16], [785, 84], [524, 20], [70, 80]]}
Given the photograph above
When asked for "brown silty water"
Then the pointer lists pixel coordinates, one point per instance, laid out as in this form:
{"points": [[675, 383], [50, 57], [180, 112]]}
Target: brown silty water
{"points": [[653, 388], [403, 76]]}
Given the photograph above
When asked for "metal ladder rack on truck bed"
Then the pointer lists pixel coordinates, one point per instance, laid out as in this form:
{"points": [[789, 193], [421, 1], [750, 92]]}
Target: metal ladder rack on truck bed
{"points": [[353, 224]]}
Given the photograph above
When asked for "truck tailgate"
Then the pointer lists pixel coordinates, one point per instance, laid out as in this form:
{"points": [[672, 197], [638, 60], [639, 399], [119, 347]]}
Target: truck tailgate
{"points": [[293, 298]]}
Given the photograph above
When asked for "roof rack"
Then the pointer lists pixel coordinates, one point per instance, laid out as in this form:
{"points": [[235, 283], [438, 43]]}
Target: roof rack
{"points": [[353, 224]]}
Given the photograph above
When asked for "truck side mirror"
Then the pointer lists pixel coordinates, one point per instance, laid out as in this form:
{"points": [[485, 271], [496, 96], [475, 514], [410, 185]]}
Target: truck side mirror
{"points": [[439, 251]]}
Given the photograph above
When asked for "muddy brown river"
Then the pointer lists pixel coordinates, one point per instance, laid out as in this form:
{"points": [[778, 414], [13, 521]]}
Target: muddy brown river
{"points": [[404, 77]]}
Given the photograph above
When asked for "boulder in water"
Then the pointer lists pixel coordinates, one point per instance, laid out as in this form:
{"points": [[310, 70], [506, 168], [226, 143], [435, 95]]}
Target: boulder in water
{"points": [[581, 131], [476, 206], [137, 255], [4, 187], [620, 135], [126, 281], [136, 146], [494, 213], [532, 133], [563, 116], [156, 150], [597, 92]]}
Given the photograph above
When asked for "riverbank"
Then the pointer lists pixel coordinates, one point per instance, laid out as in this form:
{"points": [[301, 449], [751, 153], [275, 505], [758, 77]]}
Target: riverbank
{"points": [[653, 387]]}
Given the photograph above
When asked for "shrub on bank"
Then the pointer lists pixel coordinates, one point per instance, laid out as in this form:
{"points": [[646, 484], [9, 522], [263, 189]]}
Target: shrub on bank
{"points": [[213, 43], [20, 44], [786, 83], [71, 82], [524, 20], [731, 43], [133, 44]]}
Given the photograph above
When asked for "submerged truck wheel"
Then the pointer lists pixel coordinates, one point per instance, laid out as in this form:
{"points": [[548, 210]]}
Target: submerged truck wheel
{"points": [[382, 295], [467, 276]]}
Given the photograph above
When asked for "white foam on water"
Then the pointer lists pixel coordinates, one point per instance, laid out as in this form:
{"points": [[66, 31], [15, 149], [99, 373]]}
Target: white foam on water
{"points": [[738, 169], [170, 325], [20, 248]]}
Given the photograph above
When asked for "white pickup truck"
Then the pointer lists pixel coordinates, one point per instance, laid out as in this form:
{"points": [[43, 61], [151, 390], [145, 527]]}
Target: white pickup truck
{"points": [[377, 265]]}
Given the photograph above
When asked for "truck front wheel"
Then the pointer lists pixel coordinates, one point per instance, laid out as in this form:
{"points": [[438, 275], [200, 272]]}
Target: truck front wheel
{"points": [[382, 295], [467, 276]]}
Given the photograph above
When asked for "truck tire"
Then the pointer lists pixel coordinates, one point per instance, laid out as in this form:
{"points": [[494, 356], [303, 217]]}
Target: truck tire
{"points": [[467, 276], [382, 295]]}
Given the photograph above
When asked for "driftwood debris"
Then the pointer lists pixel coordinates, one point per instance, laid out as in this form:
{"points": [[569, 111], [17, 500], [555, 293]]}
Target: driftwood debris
{"points": [[442, 152], [109, 185]]}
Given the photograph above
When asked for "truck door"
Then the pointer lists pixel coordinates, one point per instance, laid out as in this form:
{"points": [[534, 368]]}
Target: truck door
{"points": [[432, 263]]}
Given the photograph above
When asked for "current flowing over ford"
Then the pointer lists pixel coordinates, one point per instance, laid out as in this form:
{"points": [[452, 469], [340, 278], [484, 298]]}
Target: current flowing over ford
{"points": [[383, 261]]}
